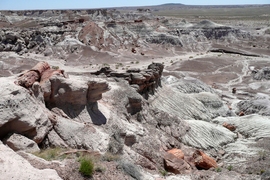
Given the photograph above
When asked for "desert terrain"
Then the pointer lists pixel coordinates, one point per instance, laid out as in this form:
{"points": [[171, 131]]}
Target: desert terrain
{"points": [[150, 93]]}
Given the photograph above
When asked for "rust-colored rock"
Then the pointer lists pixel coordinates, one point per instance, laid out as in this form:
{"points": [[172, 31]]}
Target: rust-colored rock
{"points": [[28, 78], [176, 165], [177, 152], [241, 113], [50, 72], [40, 72], [231, 127], [203, 161], [41, 67]]}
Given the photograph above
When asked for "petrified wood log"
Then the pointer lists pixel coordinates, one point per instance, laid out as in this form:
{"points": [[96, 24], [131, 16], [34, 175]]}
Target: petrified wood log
{"points": [[203, 161]]}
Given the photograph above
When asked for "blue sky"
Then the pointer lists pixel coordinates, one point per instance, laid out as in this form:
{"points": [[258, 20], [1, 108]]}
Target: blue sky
{"points": [[85, 4]]}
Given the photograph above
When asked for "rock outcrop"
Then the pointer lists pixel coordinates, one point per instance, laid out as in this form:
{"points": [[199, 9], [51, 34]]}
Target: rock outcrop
{"points": [[14, 166], [176, 165], [22, 113], [144, 81], [203, 161], [18, 142]]}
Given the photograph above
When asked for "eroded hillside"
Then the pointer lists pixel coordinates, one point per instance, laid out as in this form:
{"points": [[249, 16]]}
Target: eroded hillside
{"points": [[145, 96]]}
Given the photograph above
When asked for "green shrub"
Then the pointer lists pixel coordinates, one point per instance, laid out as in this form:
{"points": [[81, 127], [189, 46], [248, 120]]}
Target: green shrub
{"points": [[86, 166], [230, 168], [55, 67], [218, 169], [163, 172]]}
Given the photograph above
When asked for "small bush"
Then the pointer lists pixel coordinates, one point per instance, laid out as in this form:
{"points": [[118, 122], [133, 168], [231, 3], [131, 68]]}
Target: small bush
{"points": [[190, 57], [55, 67], [86, 166], [171, 61], [218, 169], [137, 62], [163, 172], [230, 168]]}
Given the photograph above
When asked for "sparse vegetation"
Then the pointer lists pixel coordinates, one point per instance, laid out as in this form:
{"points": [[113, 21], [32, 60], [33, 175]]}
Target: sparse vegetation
{"points": [[86, 166], [105, 65], [230, 167], [100, 169], [163, 172], [55, 67], [190, 57], [218, 169], [110, 157], [50, 154], [262, 155]]}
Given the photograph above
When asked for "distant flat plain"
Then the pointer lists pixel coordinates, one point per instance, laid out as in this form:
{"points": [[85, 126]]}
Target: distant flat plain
{"points": [[219, 13]]}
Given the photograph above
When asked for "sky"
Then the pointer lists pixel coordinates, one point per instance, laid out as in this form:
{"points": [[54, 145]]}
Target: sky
{"points": [[88, 4]]}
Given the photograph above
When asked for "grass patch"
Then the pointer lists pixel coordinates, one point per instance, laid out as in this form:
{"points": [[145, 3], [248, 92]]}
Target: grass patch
{"points": [[110, 157], [86, 166], [51, 154], [163, 172]]}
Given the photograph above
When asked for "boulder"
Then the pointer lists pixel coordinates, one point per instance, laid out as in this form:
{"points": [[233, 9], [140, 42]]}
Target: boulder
{"points": [[18, 142], [176, 165], [55, 140], [80, 136], [177, 152], [22, 113], [74, 90], [231, 127], [203, 161]]}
